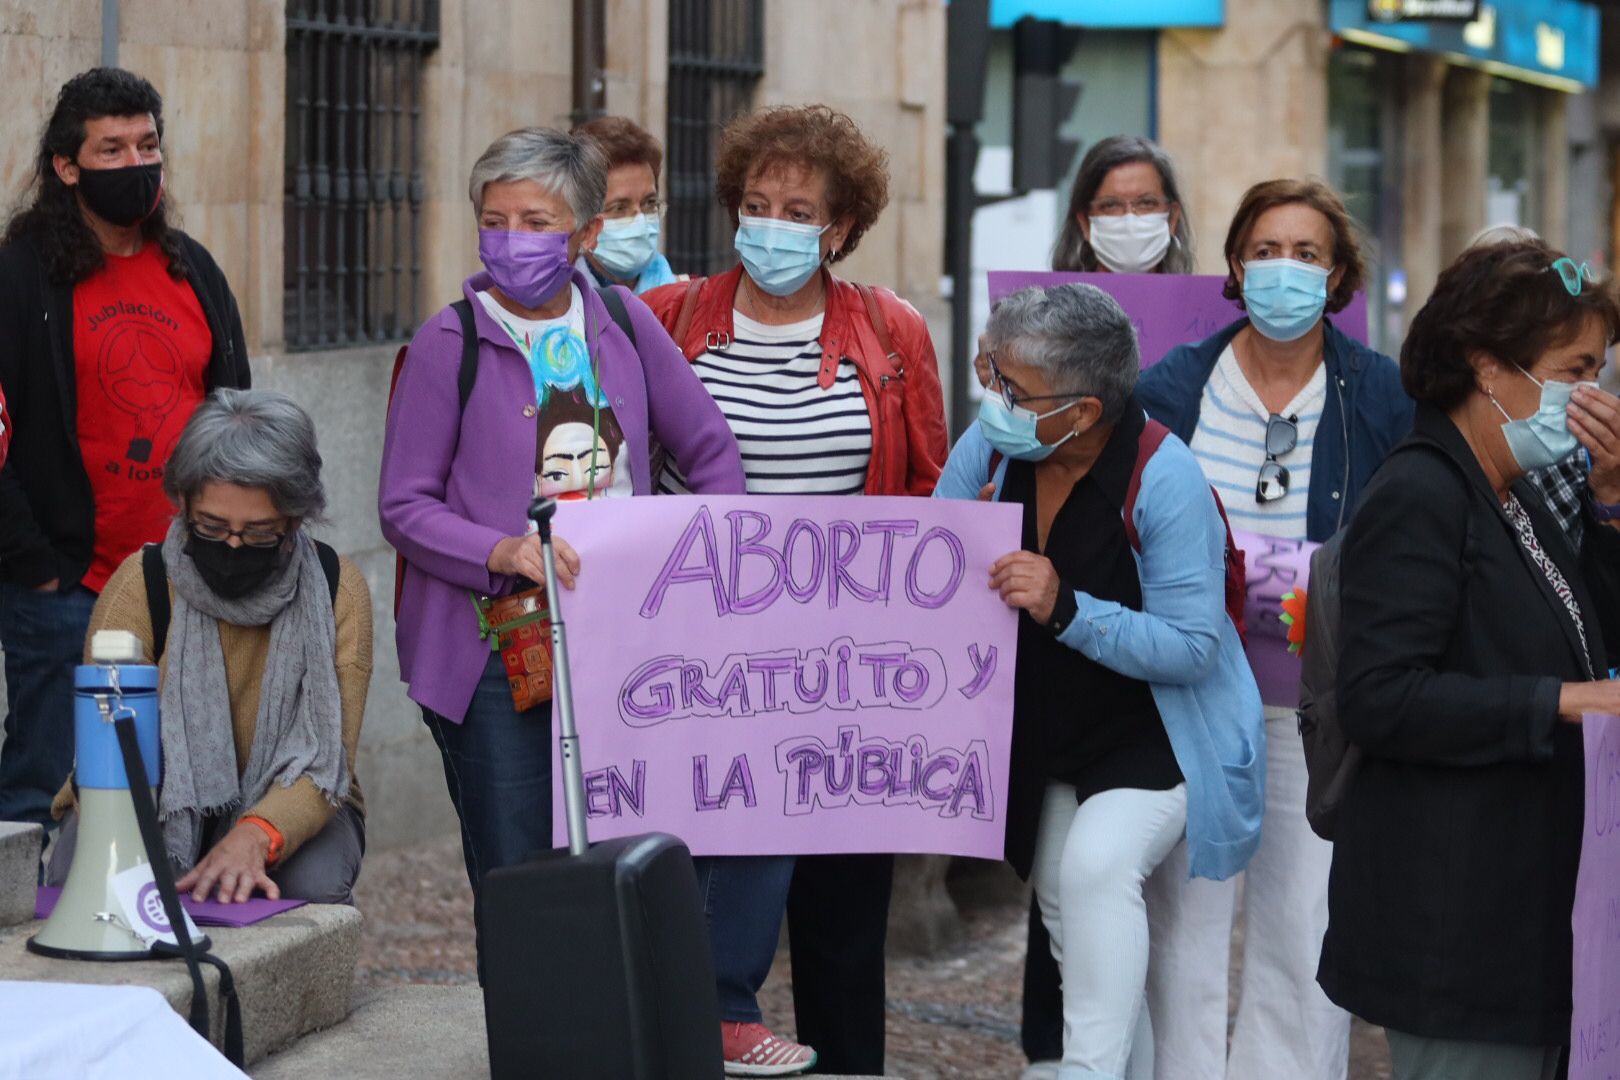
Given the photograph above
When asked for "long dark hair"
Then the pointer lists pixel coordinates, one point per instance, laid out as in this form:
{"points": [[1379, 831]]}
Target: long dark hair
{"points": [[1073, 250], [51, 218]]}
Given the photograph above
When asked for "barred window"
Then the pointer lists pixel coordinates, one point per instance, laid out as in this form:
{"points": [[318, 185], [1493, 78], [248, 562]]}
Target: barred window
{"points": [[716, 58], [353, 186]]}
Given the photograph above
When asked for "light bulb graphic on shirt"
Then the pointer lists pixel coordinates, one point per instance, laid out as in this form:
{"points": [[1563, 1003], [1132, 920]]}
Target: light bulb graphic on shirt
{"points": [[140, 373]]}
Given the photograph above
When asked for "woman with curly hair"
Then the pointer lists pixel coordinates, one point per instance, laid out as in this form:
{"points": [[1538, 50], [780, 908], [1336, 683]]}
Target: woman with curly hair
{"points": [[831, 389], [116, 326]]}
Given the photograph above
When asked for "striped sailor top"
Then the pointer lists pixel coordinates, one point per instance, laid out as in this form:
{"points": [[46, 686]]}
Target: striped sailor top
{"points": [[1230, 445], [795, 437]]}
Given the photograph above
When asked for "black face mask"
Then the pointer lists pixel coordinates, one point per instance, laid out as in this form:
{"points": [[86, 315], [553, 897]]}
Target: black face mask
{"points": [[233, 572], [124, 196]]}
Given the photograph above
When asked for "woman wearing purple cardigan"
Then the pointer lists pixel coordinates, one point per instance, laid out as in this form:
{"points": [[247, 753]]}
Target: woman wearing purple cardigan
{"points": [[564, 404]]}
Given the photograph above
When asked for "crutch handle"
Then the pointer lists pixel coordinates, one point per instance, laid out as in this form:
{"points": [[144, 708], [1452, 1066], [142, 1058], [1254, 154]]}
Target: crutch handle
{"points": [[541, 511]]}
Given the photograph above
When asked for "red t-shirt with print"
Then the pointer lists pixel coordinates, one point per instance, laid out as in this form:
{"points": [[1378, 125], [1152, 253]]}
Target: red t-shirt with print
{"points": [[141, 345]]}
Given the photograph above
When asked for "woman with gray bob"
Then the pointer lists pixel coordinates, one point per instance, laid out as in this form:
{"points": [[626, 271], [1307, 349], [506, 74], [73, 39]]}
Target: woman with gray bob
{"points": [[262, 637], [1125, 213], [1120, 587]]}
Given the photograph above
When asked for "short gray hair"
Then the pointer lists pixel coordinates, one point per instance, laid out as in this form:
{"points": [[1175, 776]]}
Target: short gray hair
{"points": [[569, 166], [1078, 335], [1491, 235], [253, 439]]}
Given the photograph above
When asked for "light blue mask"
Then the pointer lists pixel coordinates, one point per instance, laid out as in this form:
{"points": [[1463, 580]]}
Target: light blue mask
{"points": [[780, 256], [1011, 430], [625, 247], [1284, 297], [1543, 438]]}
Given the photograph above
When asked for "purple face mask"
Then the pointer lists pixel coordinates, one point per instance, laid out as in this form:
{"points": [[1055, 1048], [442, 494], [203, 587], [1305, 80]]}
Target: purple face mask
{"points": [[529, 267]]}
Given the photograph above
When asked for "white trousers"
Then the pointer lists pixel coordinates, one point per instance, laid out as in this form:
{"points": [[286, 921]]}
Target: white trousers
{"points": [[1286, 1028], [1090, 863]]}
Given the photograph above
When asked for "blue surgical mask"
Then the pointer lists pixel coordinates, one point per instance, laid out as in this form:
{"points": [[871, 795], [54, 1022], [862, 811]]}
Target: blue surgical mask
{"points": [[625, 247], [1543, 438], [1284, 297], [780, 256], [1011, 431]]}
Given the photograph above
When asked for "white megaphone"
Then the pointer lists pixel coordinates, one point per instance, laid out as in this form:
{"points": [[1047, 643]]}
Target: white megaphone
{"points": [[110, 908]]}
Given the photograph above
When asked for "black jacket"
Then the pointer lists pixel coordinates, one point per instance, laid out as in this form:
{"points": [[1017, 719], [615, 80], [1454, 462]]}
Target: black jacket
{"points": [[47, 512], [1457, 844]]}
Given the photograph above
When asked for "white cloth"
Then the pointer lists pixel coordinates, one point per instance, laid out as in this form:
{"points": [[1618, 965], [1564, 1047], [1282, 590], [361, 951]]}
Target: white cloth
{"points": [[1230, 445], [69, 1031], [1286, 1028], [1090, 863]]}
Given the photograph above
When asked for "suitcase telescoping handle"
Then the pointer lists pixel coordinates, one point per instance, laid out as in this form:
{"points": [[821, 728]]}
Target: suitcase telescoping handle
{"points": [[541, 512]]}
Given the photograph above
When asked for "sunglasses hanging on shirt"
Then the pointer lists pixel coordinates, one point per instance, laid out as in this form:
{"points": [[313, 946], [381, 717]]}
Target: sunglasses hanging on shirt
{"points": [[1282, 435]]}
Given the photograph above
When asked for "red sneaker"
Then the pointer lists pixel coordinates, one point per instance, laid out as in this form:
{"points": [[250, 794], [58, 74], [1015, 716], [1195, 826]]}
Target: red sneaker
{"points": [[752, 1050]]}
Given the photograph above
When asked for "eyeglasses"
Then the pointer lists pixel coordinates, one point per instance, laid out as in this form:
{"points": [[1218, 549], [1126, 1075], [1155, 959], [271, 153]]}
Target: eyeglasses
{"points": [[1146, 204], [254, 538], [652, 206], [1013, 400], [1573, 274], [1282, 435]]}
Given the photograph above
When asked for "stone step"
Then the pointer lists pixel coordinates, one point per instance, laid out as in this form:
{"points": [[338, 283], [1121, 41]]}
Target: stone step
{"points": [[294, 973], [20, 844], [405, 1033]]}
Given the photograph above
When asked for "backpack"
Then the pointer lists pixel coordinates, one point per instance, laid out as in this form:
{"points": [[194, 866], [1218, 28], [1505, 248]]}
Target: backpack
{"points": [[467, 374], [156, 576], [1148, 443], [1330, 760]]}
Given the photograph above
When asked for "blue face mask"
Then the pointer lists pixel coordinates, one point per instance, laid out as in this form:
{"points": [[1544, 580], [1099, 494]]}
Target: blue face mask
{"points": [[625, 247], [1284, 297], [1011, 430], [1543, 438], [780, 256]]}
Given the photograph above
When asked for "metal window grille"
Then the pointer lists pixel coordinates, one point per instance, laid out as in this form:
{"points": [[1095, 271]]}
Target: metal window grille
{"points": [[716, 58], [354, 184]]}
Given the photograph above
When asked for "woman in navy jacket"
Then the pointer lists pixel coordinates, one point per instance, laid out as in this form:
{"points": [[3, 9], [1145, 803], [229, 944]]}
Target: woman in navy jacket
{"points": [[1289, 418]]}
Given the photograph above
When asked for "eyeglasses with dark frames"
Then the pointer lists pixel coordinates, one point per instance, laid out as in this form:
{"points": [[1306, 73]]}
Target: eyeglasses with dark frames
{"points": [[1013, 400], [1141, 206], [1282, 435], [217, 532]]}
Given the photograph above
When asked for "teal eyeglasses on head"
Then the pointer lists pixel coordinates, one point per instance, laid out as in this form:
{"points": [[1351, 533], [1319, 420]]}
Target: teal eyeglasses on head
{"points": [[1573, 274]]}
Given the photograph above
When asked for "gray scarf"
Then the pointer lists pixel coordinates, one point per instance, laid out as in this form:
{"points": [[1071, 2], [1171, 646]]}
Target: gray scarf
{"points": [[299, 730]]}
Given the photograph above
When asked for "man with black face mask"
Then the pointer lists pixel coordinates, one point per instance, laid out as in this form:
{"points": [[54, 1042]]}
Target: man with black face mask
{"points": [[115, 326]]}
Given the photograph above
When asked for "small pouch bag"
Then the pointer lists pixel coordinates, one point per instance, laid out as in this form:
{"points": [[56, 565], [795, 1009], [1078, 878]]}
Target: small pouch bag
{"points": [[519, 628]]}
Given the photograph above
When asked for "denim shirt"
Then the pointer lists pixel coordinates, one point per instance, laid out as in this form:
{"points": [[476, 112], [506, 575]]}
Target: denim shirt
{"points": [[1182, 644]]}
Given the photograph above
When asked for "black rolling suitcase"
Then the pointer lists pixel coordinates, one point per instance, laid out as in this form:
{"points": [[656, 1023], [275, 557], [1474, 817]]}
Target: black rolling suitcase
{"points": [[596, 959]]}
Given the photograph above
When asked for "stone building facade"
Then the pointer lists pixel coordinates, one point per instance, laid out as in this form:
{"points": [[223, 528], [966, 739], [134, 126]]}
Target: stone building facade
{"points": [[223, 67]]}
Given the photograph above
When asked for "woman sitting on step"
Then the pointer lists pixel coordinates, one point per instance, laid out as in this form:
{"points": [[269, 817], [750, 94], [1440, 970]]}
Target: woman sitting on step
{"points": [[262, 637]]}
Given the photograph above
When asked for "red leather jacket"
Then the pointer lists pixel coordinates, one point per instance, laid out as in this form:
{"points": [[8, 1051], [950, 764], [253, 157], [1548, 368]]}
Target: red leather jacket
{"points": [[883, 335]]}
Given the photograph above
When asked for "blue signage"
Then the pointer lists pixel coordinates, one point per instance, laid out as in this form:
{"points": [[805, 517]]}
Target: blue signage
{"points": [[1112, 14], [1553, 42]]}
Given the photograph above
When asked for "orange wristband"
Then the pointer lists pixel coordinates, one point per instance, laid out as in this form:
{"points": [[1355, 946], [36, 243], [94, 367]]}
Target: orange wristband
{"points": [[277, 841]]}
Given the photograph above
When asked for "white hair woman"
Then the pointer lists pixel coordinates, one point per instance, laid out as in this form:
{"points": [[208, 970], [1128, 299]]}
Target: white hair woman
{"points": [[1136, 720], [262, 637]]}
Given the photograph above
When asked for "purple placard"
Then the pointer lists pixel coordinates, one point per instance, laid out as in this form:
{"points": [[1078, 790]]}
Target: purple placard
{"points": [[1167, 309], [204, 913], [1594, 1038], [776, 675], [1274, 567]]}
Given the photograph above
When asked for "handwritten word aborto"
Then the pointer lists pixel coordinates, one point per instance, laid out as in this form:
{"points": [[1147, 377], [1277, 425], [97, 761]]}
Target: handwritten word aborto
{"points": [[775, 675]]}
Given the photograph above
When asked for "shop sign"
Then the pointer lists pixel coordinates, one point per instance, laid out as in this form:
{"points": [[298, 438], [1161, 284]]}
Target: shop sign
{"points": [[1401, 10], [1551, 42], [1111, 14]]}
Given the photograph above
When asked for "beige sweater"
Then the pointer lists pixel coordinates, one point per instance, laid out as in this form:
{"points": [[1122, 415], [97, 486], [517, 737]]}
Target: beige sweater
{"points": [[300, 811]]}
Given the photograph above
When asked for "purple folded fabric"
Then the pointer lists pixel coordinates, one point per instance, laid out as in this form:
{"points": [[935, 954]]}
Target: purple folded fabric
{"points": [[205, 913]]}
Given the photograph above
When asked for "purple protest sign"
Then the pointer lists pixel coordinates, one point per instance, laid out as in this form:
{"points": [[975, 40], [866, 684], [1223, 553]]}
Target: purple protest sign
{"points": [[776, 675], [1167, 309], [1275, 567], [1594, 1038]]}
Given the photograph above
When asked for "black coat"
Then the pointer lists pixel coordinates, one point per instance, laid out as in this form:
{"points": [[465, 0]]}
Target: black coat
{"points": [[1457, 844], [47, 511]]}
